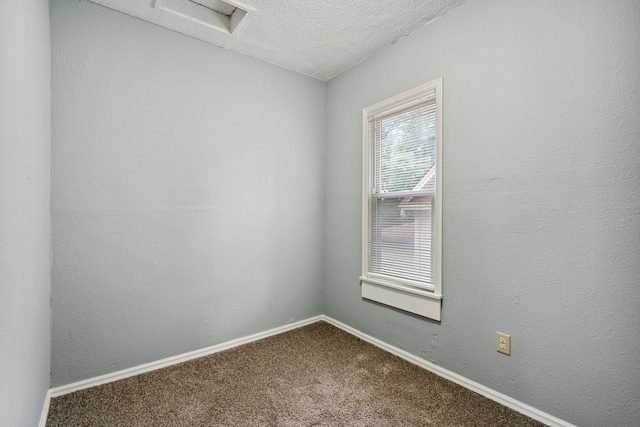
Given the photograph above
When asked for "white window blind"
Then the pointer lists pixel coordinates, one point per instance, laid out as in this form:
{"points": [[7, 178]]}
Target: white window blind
{"points": [[402, 188], [401, 149]]}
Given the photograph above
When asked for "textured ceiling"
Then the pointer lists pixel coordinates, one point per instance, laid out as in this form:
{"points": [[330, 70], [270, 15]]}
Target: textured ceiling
{"points": [[317, 38]]}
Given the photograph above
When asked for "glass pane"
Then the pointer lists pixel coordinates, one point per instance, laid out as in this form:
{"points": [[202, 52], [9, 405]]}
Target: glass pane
{"points": [[401, 237], [405, 150]]}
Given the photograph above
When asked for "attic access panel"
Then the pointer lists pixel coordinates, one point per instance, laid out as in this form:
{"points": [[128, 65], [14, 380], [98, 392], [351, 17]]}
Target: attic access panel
{"points": [[226, 16]]}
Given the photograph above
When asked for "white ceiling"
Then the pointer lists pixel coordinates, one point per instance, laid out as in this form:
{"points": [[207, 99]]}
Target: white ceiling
{"points": [[319, 38]]}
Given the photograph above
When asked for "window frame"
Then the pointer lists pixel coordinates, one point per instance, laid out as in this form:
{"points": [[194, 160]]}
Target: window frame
{"points": [[397, 292]]}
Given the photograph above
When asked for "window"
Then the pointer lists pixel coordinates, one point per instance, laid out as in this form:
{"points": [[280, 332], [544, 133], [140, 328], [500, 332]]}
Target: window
{"points": [[402, 201]]}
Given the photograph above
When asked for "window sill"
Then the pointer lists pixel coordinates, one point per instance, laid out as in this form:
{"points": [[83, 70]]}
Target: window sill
{"points": [[413, 300]]}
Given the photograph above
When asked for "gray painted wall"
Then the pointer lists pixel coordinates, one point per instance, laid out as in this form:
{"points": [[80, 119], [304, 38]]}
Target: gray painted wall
{"points": [[25, 150], [541, 201], [188, 193]]}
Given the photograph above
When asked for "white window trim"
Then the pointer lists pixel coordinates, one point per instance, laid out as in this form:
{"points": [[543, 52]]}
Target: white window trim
{"points": [[395, 293]]}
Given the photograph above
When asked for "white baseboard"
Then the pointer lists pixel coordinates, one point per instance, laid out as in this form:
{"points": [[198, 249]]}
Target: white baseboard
{"points": [[163, 363], [458, 379], [503, 399], [45, 409]]}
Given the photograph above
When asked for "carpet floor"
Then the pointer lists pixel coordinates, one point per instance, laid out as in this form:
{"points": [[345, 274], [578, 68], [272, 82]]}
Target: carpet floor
{"points": [[317, 375]]}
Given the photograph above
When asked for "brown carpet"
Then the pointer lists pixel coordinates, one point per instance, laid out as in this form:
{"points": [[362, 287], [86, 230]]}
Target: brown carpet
{"points": [[317, 375]]}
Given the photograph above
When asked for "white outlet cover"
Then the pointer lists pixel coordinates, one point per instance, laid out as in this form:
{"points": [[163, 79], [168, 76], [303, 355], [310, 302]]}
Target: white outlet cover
{"points": [[503, 343]]}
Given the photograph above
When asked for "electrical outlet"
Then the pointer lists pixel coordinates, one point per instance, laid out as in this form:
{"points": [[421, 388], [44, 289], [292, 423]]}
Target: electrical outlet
{"points": [[503, 343]]}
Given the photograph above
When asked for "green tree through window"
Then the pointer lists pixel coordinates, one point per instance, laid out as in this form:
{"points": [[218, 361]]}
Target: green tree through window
{"points": [[407, 148]]}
